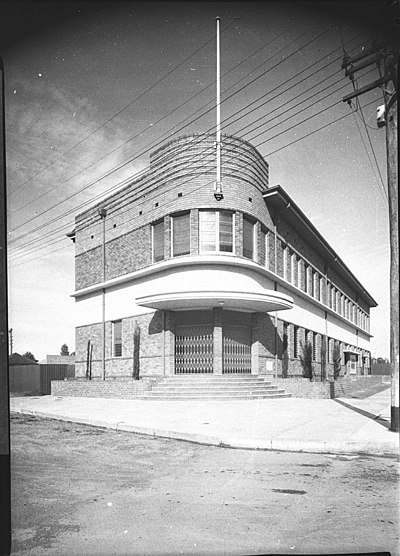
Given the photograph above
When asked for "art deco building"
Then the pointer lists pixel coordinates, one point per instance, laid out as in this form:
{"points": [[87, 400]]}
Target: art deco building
{"points": [[231, 286]]}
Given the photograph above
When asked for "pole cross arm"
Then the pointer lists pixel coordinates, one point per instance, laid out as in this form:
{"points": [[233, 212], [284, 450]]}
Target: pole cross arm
{"points": [[365, 89], [378, 56]]}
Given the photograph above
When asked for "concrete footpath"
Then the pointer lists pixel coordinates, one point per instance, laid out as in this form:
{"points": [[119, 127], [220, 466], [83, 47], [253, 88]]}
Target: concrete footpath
{"points": [[341, 426]]}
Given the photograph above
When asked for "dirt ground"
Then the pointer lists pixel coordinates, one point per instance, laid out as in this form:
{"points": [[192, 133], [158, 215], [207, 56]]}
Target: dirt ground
{"points": [[81, 490]]}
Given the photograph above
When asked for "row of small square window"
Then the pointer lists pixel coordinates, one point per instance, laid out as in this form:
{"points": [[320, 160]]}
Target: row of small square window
{"points": [[295, 338], [299, 273]]}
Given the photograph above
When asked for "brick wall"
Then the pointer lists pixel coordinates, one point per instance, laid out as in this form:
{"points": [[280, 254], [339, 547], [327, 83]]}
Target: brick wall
{"points": [[151, 357], [122, 389], [344, 387], [304, 388], [186, 183]]}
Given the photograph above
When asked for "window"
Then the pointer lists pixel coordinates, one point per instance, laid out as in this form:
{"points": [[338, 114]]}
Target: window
{"points": [[216, 231], [285, 262], [248, 238], [321, 289], [158, 241], [330, 350], [263, 247], [225, 232], [305, 269], [117, 338], [181, 234], [293, 268], [314, 346], [299, 268], [333, 299], [267, 249], [296, 342], [310, 282]]}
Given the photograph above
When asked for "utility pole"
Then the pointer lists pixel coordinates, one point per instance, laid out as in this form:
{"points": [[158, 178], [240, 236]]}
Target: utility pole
{"points": [[5, 469], [389, 81]]}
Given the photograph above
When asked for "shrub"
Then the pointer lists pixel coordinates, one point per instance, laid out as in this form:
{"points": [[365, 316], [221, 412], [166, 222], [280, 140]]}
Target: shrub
{"points": [[136, 352], [323, 359], [336, 357], [306, 360], [285, 356]]}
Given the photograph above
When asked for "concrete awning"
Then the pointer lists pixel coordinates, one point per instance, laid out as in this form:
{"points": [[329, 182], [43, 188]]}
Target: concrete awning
{"points": [[238, 301]]}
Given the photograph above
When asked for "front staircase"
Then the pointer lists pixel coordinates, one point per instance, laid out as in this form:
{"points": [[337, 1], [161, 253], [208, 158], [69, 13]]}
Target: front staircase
{"points": [[214, 387]]}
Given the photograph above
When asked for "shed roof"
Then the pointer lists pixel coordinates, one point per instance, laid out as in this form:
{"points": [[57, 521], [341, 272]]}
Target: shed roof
{"points": [[17, 359]]}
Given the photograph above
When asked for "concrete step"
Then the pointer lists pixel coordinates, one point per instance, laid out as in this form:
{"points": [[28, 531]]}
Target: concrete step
{"points": [[213, 387], [214, 392], [220, 396], [215, 380]]}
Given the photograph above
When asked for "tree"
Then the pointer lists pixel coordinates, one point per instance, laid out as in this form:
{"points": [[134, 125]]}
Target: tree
{"points": [[323, 358], [285, 356], [306, 360], [30, 356], [336, 357], [64, 350], [136, 351]]}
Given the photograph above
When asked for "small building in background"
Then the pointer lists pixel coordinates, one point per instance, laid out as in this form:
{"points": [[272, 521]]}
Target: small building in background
{"points": [[28, 378], [58, 360]]}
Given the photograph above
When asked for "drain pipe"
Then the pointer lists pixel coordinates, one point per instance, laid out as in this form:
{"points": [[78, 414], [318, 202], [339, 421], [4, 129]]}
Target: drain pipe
{"points": [[103, 213]]}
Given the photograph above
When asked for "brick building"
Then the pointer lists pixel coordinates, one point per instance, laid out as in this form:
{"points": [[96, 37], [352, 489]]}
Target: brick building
{"points": [[231, 286]]}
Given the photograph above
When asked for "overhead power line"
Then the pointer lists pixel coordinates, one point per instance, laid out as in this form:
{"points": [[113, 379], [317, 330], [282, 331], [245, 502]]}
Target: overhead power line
{"points": [[129, 160], [207, 184], [267, 116], [210, 103]]}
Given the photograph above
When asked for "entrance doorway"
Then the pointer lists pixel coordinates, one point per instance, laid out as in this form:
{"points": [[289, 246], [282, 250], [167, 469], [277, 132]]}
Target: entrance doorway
{"points": [[351, 363], [236, 343], [193, 342], [198, 342]]}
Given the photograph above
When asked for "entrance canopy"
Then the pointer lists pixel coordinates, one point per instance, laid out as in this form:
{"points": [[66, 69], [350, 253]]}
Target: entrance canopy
{"points": [[239, 301], [206, 282]]}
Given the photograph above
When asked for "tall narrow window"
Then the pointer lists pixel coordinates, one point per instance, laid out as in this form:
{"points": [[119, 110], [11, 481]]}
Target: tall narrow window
{"points": [[293, 268], [267, 249], [225, 231], [333, 299], [316, 285], [321, 289], [181, 234], [208, 231], [296, 342], [310, 290], [299, 267], [286, 262], [263, 245], [117, 338], [314, 346], [216, 231], [305, 268], [158, 241], [248, 238]]}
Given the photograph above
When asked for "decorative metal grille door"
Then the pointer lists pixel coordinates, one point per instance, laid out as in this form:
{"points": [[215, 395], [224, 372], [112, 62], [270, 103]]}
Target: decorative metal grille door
{"points": [[236, 349], [194, 349]]}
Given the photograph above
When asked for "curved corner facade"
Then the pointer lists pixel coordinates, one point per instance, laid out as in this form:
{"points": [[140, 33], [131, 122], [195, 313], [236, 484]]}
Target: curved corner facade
{"points": [[170, 280]]}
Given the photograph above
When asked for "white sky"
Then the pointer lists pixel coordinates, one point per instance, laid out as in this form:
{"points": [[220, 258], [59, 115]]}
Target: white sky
{"points": [[108, 81]]}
